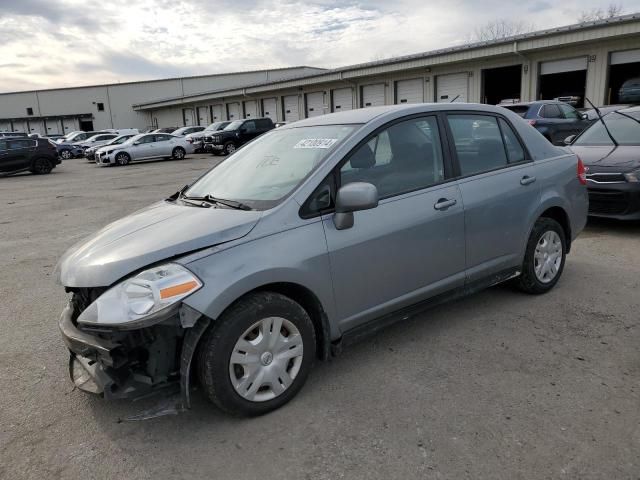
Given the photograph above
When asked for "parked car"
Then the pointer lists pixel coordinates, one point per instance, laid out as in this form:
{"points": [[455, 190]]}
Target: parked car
{"points": [[96, 141], [12, 134], [554, 120], [38, 156], [197, 138], [77, 136], [184, 131], [236, 134], [612, 160], [630, 91], [90, 152], [312, 236], [165, 130], [144, 147]]}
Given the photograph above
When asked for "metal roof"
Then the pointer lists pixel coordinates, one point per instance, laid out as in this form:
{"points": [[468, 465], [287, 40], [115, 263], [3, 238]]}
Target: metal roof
{"points": [[336, 73]]}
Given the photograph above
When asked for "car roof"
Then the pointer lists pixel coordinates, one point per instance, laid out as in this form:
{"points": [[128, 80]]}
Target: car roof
{"points": [[365, 115]]}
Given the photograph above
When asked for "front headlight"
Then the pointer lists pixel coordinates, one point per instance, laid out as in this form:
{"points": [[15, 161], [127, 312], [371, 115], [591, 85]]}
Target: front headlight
{"points": [[138, 299], [633, 177]]}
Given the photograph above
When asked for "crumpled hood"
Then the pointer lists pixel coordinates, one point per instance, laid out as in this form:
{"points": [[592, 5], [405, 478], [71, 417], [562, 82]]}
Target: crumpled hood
{"points": [[160, 231], [622, 158]]}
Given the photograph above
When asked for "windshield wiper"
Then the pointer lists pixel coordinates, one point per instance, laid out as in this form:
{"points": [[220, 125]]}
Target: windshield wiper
{"points": [[220, 201]]}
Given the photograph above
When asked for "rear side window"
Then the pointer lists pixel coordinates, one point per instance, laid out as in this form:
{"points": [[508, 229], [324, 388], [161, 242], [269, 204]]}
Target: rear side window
{"points": [[478, 142], [515, 152], [250, 126], [569, 112], [148, 139], [263, 124], [551, 111], [404, 157], [15, 144]]}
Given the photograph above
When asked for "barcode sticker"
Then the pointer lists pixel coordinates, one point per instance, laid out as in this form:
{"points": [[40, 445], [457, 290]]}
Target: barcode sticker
{"points": [[316, 143]]}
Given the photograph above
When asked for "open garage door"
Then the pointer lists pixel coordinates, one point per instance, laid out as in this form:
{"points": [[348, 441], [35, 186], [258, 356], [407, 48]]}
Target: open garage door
{"points": [[251, 109], [216, 113], [291, 108], [52, 126], [341, 99], [270, 108], [410, 91], [233, 111], [372, 95], [203, 116], [565, 80], [501, 84], [623, 66], [452, 87], [315, 104]]}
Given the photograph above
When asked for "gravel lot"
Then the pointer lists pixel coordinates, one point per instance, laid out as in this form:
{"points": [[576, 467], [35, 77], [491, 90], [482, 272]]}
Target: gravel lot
{"points": [[500, 385]]}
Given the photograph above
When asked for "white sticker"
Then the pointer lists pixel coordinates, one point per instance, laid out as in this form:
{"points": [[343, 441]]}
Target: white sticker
{"points": [[316, 143]]}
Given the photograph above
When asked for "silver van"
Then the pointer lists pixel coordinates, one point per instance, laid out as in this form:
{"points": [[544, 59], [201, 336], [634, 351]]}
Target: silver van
{"points": [[310, 237]]}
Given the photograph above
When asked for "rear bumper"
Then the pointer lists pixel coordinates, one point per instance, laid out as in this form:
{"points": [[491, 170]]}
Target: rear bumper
{"points": [[619, 201]]}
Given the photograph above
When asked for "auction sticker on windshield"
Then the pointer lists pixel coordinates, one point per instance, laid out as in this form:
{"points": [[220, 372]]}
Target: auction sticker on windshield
{"points": [[315, 143]]}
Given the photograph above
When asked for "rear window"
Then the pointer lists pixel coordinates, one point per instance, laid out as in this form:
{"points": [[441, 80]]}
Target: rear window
{"points": [[518, 109]]}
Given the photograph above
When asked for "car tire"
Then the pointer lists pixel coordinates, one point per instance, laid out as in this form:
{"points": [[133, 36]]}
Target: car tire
{"points": [[226, 374], [122, 159], [178, 153], [229, 148], [41, 166], [66, 154], [544, 258]]}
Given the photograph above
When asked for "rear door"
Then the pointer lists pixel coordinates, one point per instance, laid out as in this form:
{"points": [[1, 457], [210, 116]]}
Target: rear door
{"points": [[499, 191], [410, 247], [163, 145]]}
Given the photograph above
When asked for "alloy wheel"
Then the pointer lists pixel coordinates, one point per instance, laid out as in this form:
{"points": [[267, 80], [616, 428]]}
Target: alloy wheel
{"points": [[266, 359]]}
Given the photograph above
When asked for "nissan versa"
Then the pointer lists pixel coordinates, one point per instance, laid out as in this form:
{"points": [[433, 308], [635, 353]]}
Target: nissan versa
{"points": [[309, 237]]}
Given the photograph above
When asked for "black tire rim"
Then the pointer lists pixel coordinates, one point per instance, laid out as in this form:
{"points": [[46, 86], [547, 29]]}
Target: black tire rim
{"points": [[42, 166]]}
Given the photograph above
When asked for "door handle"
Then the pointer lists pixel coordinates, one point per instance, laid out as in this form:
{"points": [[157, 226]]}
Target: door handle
{"points": [[527, 180], [444, 203]]}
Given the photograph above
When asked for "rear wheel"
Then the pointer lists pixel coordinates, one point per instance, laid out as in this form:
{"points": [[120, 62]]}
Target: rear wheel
{"points": [[257, 355], [178, 153], [41, 166], [123, 158], [545, 257]]}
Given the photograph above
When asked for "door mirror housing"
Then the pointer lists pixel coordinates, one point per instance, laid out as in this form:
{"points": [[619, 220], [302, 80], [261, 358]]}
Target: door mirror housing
{"points": [[569, 140], [353, 197], [136, 143], [584, 116]]}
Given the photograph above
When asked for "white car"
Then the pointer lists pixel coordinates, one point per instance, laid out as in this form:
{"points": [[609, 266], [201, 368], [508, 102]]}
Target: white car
{"points": [[184, 131], [144, 147]]}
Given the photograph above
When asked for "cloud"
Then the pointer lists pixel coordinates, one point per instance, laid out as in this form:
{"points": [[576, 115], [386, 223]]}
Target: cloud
{"points": [[55, 43]]}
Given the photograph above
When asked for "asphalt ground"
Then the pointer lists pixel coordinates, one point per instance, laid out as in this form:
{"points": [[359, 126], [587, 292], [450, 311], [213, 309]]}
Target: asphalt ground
{"points": [[500, 385]]}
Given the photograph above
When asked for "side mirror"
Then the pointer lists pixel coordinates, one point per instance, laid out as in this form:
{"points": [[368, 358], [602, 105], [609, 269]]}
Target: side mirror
{"points": [[352, 198], [584, 116], [136, 143], [569, 140]]}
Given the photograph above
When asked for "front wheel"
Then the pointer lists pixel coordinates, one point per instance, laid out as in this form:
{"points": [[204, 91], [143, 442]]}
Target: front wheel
{"points": [[178, 153], [229, 148], [257, 355], [123, 158], [544, 258]]}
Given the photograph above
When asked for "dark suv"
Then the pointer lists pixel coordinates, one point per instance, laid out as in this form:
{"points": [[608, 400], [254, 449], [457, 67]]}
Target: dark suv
{"points": [[237, 134], [554, 120], [21, 154]]}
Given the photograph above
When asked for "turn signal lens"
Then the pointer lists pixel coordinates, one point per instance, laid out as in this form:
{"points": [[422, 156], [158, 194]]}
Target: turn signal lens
{"points": [[582, 172]]}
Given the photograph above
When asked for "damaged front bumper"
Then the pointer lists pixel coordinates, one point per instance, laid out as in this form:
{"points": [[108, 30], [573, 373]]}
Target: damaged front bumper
{"points": [[119, 364]]}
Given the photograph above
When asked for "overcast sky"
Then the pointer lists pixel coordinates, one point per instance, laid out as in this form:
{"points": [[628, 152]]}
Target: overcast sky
{"points": [[56, 43]]}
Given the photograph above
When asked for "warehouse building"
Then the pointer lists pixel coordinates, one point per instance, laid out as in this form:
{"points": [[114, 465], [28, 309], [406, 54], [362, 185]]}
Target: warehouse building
{"points": [[585, 60], [64, 110]]}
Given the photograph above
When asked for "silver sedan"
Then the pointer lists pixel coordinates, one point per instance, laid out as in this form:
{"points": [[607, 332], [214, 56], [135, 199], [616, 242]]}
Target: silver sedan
{"points": [[145, 146]]}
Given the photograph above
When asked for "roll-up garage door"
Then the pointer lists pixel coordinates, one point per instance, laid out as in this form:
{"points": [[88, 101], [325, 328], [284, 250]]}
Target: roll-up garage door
{"points": [[448, 87], [187, 116], [203, 116], [269, 108], [52, 126], [36, 126], [566, 65], [291, 110], [372, 95], [564, 80], [69, 125], [410, 91], [5, 126], [233, 111], [341, 99], [626, 56], [250, 109], [216, 113], [315, 104]]}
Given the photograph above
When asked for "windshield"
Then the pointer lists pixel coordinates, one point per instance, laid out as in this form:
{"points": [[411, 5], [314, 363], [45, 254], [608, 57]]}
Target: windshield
{"points": [[268, 169], [119, 140], [213, 127], [624, 128], [233, 125]]}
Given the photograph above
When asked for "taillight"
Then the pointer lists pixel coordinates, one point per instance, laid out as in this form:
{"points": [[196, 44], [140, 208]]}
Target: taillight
{"points": [[582, 172], [532, 123]]}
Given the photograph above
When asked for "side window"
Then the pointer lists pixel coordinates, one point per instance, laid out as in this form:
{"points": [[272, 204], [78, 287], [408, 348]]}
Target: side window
{"points": [[551, 110], [515, 152], [15, 144], [249, 127], [478, 143], [163, 138], [404, 157], [148, 139], [569, 112]]}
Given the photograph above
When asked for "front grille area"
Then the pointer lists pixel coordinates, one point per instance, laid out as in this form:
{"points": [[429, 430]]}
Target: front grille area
{"points": [[208, 139], [606, 177], [608, 203]]}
